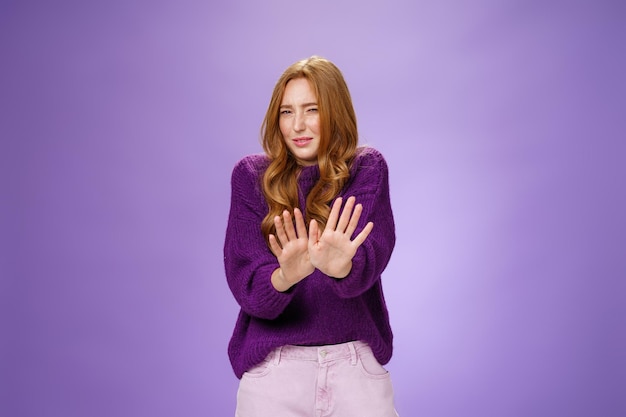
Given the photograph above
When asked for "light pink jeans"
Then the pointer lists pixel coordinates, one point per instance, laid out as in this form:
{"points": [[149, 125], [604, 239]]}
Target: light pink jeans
{"points": [[342, 380]]}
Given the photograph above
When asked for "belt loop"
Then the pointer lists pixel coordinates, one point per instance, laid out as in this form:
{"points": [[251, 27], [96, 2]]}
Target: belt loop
{"points": [[353, 356], [277, 352]]}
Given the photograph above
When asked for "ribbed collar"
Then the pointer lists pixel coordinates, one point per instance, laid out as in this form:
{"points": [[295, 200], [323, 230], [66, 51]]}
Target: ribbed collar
{"points": [[309, 174]]}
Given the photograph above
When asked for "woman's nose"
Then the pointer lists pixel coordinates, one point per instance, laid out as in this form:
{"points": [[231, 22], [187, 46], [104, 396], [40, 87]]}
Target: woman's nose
{"points": [[298, 122]]}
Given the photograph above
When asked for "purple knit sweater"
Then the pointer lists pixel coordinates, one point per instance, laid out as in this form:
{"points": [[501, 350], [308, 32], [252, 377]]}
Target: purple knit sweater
{"points": [[319, 310]]}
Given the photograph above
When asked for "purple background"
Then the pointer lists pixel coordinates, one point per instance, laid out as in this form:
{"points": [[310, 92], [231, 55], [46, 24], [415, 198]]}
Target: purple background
{"points": [[503, 126]]}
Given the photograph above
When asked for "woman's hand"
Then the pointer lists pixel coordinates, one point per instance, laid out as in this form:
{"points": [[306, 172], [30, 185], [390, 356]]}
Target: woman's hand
{"points": [[290, 246], [332, 251]]}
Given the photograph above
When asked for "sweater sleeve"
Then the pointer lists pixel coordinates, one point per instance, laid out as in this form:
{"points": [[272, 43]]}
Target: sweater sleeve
{"points": [[370, 186], [248, 261]]}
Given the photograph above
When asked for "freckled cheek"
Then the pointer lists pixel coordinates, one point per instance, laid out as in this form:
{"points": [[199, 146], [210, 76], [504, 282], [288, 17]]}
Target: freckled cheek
{"points": [[283, 128], [315, 125]]}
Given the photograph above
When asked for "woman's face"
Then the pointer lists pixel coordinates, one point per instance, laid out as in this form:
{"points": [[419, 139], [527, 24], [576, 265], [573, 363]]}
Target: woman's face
{"points": [[299, 121]]}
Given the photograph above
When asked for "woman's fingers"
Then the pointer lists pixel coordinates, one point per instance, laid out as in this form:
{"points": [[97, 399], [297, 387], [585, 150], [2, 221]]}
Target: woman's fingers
{"points": [[285, 229], [280, 231], [274, 246], [288, 226], [331, 223], [360, 238], [341, 220], [313, 233], [344, 219], [300, 226]]}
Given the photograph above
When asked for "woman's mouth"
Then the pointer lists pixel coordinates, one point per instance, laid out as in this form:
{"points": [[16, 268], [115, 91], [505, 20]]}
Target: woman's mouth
{"points": [[302, 141]]}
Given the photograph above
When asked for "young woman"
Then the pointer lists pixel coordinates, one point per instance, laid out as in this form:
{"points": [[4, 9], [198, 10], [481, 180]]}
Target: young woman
{"points": [[309, 234]]}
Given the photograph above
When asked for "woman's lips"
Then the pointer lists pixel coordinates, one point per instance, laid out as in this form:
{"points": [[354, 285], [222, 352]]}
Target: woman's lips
{"points": [[303, 141]]}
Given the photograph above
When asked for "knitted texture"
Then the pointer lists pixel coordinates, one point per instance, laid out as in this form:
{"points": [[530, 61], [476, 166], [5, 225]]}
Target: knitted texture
{"points": [[319, 310]]}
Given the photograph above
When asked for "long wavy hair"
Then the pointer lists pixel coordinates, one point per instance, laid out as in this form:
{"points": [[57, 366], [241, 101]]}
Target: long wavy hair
{"points": [[337, 148]]}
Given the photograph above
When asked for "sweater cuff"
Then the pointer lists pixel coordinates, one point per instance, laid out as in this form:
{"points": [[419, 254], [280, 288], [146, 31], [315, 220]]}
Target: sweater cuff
{"points": [[357, 281], [268, 302]]}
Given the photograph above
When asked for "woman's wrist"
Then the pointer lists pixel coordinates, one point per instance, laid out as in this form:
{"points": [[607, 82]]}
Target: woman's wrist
{"points": [[343, 272], [278, 280]]}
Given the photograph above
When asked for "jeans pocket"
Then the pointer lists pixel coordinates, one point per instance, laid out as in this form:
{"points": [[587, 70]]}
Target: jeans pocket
{"points": [[371, 368], [259, 370]]}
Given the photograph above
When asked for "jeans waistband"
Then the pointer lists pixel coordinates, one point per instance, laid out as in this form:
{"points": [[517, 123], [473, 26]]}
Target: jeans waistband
{"points": [[321, 354]]}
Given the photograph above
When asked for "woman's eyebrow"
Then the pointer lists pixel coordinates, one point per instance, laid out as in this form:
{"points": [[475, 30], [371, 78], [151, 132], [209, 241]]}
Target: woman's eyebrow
{"points": [[289, 106]]}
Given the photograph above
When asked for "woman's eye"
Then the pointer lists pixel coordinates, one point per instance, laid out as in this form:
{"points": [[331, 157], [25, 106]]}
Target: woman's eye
{"points": [[312, 109], [285, 112]]}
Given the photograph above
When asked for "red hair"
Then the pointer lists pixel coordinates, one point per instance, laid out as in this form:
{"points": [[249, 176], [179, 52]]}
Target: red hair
{"points": [[338, 143]]}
